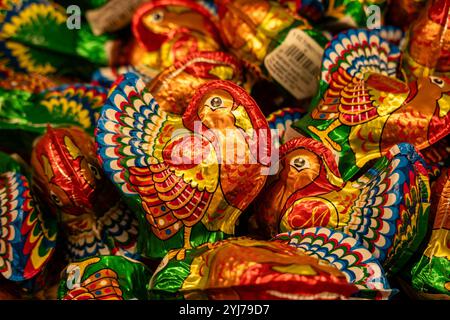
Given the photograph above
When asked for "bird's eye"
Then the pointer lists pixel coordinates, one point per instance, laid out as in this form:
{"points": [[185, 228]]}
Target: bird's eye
{"points": [[157, 16], [95, 171], [216, 103], [437, 81], [299, 163], [56, 200]]}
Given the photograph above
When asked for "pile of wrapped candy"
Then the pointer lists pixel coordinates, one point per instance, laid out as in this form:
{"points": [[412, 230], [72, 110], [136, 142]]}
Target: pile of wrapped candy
{"points": [[226, 149]]}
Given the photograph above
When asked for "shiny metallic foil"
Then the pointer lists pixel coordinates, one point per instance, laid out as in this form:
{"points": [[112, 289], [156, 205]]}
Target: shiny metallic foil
{"points": [[431, 273], [242, 268], [104, 278]]}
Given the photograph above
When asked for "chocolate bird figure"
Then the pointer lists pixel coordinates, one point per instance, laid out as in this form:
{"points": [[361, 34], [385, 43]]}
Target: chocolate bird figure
{"points": [[386, 209], [166, 31], [92, 218], [189, 175], [362, 110], [248, 269]]}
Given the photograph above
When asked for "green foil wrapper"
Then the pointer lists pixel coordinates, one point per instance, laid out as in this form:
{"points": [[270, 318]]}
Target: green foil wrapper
{"points": [[52, 42], [105, 278], [431, 274]]}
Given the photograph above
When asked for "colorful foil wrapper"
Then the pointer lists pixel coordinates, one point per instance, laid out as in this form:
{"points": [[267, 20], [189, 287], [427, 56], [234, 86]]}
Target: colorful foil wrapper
{"points": [[247, 269], [386, 209], [46, 44], [359, 266], [273, 43], [361, 110], [92, 218], [431, 274], [33, 82], [428, 49], [105, 278], [187, 184], [165, 31], [174, 87], [27, 234], [280, 122], [75, 104]]}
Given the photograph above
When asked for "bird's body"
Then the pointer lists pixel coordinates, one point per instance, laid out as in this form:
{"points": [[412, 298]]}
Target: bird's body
{"points": [[385, 209], [183, 169]]}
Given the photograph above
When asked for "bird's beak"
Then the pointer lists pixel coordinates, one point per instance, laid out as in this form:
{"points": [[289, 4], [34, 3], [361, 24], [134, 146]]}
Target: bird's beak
{"points": [[242, 119], [444, 105]]}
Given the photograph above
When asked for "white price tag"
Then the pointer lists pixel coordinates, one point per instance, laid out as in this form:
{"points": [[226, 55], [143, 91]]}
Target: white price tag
{"points": [[296, 64]]}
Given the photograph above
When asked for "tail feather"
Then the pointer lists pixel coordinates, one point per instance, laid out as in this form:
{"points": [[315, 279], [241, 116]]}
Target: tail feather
{"points": [[391, 211], [27, 240], [129, 126], [345, 253], [354, 53]]}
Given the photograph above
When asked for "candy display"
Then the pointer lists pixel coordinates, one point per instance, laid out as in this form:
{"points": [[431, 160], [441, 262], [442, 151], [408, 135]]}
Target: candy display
{"points": [[91, 217], [189, 186], [224, 149], [386, 209], [361, 109], [28, 235], [249, 269]]}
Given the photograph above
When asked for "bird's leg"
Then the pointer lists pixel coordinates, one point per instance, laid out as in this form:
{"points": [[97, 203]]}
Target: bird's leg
{"points": [[323, 134], [187, 243], [172, 254]]}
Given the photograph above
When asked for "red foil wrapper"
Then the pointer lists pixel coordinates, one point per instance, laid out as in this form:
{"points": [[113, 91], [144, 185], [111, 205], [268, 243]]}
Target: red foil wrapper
{"points": [[247, 269], [166, 31], [174, 87], [70, 181]]}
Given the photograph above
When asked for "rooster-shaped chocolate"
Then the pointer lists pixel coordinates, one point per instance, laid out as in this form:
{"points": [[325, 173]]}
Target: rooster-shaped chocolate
{"points": [[362, 110], [68, 178], [193, 173], [168, 30], [386, 209]]}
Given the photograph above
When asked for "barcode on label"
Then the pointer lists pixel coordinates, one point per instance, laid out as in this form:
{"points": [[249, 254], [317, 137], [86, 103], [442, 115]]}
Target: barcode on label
{"points": [[293, 52], [295, 64]]}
